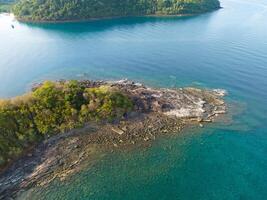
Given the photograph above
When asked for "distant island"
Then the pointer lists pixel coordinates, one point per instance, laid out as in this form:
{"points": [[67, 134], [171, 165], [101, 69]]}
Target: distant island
{"points": [[71, 10], [92, 116], [6, 5]]}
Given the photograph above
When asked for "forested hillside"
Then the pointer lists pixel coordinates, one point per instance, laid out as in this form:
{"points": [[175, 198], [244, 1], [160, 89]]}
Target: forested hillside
{"points": [[50, 10], [53, 108]]}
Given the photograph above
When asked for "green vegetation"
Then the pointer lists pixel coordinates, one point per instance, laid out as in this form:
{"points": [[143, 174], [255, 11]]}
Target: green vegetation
{"points": [[5, 8], [6, 5], [55, 108], [53, 10]]}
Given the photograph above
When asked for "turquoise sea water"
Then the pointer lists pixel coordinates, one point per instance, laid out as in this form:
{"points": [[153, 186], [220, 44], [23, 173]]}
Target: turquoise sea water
{"points": [[223, 49]]}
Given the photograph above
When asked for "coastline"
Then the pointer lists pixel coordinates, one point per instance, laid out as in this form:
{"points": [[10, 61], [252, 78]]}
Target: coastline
{"points": [[160, 112], [106, 18], [225, 159]]}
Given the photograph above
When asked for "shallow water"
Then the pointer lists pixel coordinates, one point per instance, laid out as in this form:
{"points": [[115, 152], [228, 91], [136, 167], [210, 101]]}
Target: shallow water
{"points": [[223, 49]]}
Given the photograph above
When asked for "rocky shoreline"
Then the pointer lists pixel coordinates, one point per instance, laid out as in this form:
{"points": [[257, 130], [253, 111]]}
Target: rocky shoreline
{"points": [[101, 18], [156, 112]]}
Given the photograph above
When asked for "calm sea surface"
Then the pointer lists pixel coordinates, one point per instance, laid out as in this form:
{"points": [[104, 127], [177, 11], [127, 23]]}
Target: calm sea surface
{"points": [[223, 49]]}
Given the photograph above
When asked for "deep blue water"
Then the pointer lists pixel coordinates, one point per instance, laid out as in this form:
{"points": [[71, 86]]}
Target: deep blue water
{"points": [[223, 49]]}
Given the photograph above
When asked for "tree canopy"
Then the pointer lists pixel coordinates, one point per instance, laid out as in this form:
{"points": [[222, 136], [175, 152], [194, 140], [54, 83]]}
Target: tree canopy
{"points": [[53, 10], [53, 108]]}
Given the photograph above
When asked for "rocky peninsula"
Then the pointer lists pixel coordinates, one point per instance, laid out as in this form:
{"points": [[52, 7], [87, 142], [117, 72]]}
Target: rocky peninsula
{"points": [[153, 112]]}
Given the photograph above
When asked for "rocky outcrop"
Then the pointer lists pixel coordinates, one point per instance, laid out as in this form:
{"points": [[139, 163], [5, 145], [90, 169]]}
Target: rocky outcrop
{"points": [[156, 111], [187, 103]]}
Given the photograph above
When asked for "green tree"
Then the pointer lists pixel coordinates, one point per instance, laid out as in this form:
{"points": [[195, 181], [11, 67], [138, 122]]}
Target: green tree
{"points": [[76, 10]]}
